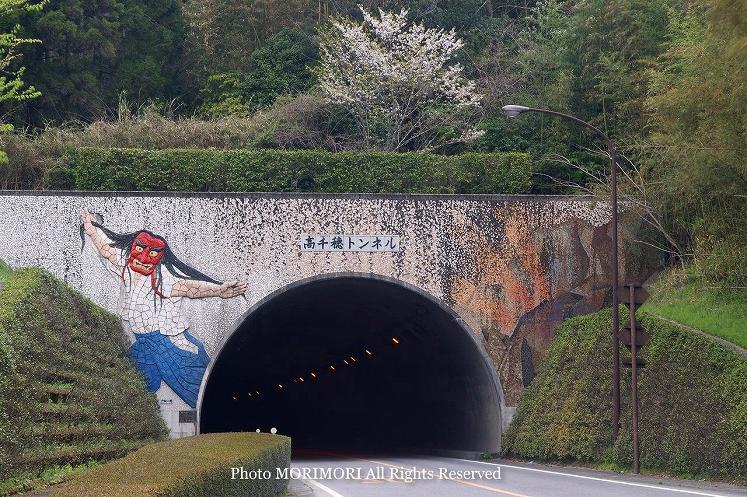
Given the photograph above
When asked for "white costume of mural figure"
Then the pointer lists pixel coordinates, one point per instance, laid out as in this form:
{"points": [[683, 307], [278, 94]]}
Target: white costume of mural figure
{"points": [[153, 283]]}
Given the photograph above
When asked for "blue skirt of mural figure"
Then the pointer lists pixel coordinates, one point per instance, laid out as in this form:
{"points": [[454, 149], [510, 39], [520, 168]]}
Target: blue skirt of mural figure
{"points": [[159, 359]]}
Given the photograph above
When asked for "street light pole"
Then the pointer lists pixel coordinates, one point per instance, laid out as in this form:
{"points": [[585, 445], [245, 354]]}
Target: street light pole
{"points": [[515, 110]]}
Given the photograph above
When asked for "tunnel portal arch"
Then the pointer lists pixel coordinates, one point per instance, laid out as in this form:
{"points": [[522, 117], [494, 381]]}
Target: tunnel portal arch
{"points": [[355, 361]]}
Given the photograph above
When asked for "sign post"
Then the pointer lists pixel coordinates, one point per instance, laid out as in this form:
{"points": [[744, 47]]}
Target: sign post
{"points": [[635, 338]]}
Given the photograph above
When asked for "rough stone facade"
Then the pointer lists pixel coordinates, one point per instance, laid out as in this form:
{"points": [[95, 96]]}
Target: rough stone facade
{"points": [[511, 266]]}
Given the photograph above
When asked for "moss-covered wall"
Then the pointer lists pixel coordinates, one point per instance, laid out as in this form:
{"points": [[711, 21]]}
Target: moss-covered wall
{"points": [[693, 402], [68, 392]]}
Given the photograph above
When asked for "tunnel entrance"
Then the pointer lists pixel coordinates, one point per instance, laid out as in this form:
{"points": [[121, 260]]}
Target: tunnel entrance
{"points": [[355, 362]]}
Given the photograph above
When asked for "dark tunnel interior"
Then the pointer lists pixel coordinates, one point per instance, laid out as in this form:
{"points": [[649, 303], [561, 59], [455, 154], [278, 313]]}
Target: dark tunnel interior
{"points": [[353, 363]]}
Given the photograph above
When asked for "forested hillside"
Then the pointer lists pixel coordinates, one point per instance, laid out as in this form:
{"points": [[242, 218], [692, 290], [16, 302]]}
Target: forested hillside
{"points": [[664, 78]]}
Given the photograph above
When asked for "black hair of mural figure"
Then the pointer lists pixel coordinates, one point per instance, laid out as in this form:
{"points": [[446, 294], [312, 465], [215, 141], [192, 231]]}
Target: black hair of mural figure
{"points": [[177, 267]]}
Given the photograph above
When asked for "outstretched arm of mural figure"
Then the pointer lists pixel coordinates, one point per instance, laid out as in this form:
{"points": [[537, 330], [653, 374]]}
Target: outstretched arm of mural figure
{"points": [[99, 240], [196, 289]]}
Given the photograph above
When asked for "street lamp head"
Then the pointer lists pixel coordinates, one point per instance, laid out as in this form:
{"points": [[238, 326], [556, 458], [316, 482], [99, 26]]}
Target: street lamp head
{"points": [[514, 110]]}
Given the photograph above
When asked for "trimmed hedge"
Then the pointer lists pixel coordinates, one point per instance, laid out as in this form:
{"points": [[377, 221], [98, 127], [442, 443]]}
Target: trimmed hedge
{"points": [[189, 467], [693, 402], [68, 392], [290, 171]]}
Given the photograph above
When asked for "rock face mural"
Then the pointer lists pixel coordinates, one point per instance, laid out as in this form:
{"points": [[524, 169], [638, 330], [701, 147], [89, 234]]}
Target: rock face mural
{"points": [[512, 267], [153, 282]]}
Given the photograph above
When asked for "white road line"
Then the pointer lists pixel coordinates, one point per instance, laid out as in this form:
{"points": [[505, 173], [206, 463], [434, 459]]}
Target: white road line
{"points": [[324, 488], [461, 482], [643, 485]]}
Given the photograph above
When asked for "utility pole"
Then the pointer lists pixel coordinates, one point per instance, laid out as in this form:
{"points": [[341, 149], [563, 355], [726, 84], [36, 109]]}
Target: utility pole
{"points": [[515, 110]]}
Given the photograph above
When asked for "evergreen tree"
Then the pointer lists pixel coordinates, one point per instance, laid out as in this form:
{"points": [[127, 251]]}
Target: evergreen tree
{"points": [[281, 66], [91, 52], [13, 89]]}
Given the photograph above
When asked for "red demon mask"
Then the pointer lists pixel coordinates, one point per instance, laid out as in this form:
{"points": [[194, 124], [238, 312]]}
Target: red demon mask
{"points": [[145, 253]]}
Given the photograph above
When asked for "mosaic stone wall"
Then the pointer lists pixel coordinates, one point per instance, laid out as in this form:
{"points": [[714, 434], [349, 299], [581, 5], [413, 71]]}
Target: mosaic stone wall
{"points": [[511, 266]]}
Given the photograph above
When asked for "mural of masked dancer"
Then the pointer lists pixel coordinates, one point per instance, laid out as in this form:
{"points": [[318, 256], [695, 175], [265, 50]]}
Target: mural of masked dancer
{"points": [[153, 283]]}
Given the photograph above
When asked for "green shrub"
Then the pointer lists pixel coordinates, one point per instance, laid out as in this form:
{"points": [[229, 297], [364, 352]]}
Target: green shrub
{"points": [[693, 402], [291, 171], [196, 467], [68, 392]]}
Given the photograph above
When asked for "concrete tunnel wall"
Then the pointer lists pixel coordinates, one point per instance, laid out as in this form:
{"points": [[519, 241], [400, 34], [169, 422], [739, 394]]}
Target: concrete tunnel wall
{"points": [[510, 267]]}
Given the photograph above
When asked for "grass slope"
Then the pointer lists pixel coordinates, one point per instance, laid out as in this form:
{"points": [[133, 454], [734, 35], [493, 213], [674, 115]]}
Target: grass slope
{"points": [[693, 403], [691, 301], [68, 393], [5, 272]]}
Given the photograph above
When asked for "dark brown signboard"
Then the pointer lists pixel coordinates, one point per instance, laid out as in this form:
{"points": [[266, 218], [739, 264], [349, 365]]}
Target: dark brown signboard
{"points": [[641, 337], [187, 416], [640, 294]]}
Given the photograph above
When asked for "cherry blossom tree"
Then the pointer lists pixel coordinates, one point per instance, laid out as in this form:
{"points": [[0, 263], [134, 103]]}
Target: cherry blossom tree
{"points": [[399, 81]]}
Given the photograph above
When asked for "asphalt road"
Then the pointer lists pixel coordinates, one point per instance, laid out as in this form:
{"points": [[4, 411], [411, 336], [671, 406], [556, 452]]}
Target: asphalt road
{"points": [[443, 477]]}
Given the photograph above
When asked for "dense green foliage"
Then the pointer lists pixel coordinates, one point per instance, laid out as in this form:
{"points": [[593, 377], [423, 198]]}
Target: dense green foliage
{"points": [[189, 467], [666, 79], [698, 109], [68, 392], [12, 87], [224, 34], [300, 123], [90, 52], [291, 171], [689, 300], [693, 402], [279, 67]]}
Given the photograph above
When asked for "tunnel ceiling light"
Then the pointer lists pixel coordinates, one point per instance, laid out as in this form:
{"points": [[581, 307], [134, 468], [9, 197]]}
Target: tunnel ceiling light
{"points": [[234, 398], [395, 341], [257, 392], [332, 368], [312, 374], [280, 385], [368, 352], [300, 378], [352, 358], [249, 394], [346, 362]]}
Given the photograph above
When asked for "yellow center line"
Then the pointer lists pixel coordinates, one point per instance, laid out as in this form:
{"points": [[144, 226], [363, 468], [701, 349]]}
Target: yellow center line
{"points": [[468, 483], [491, 489]]}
